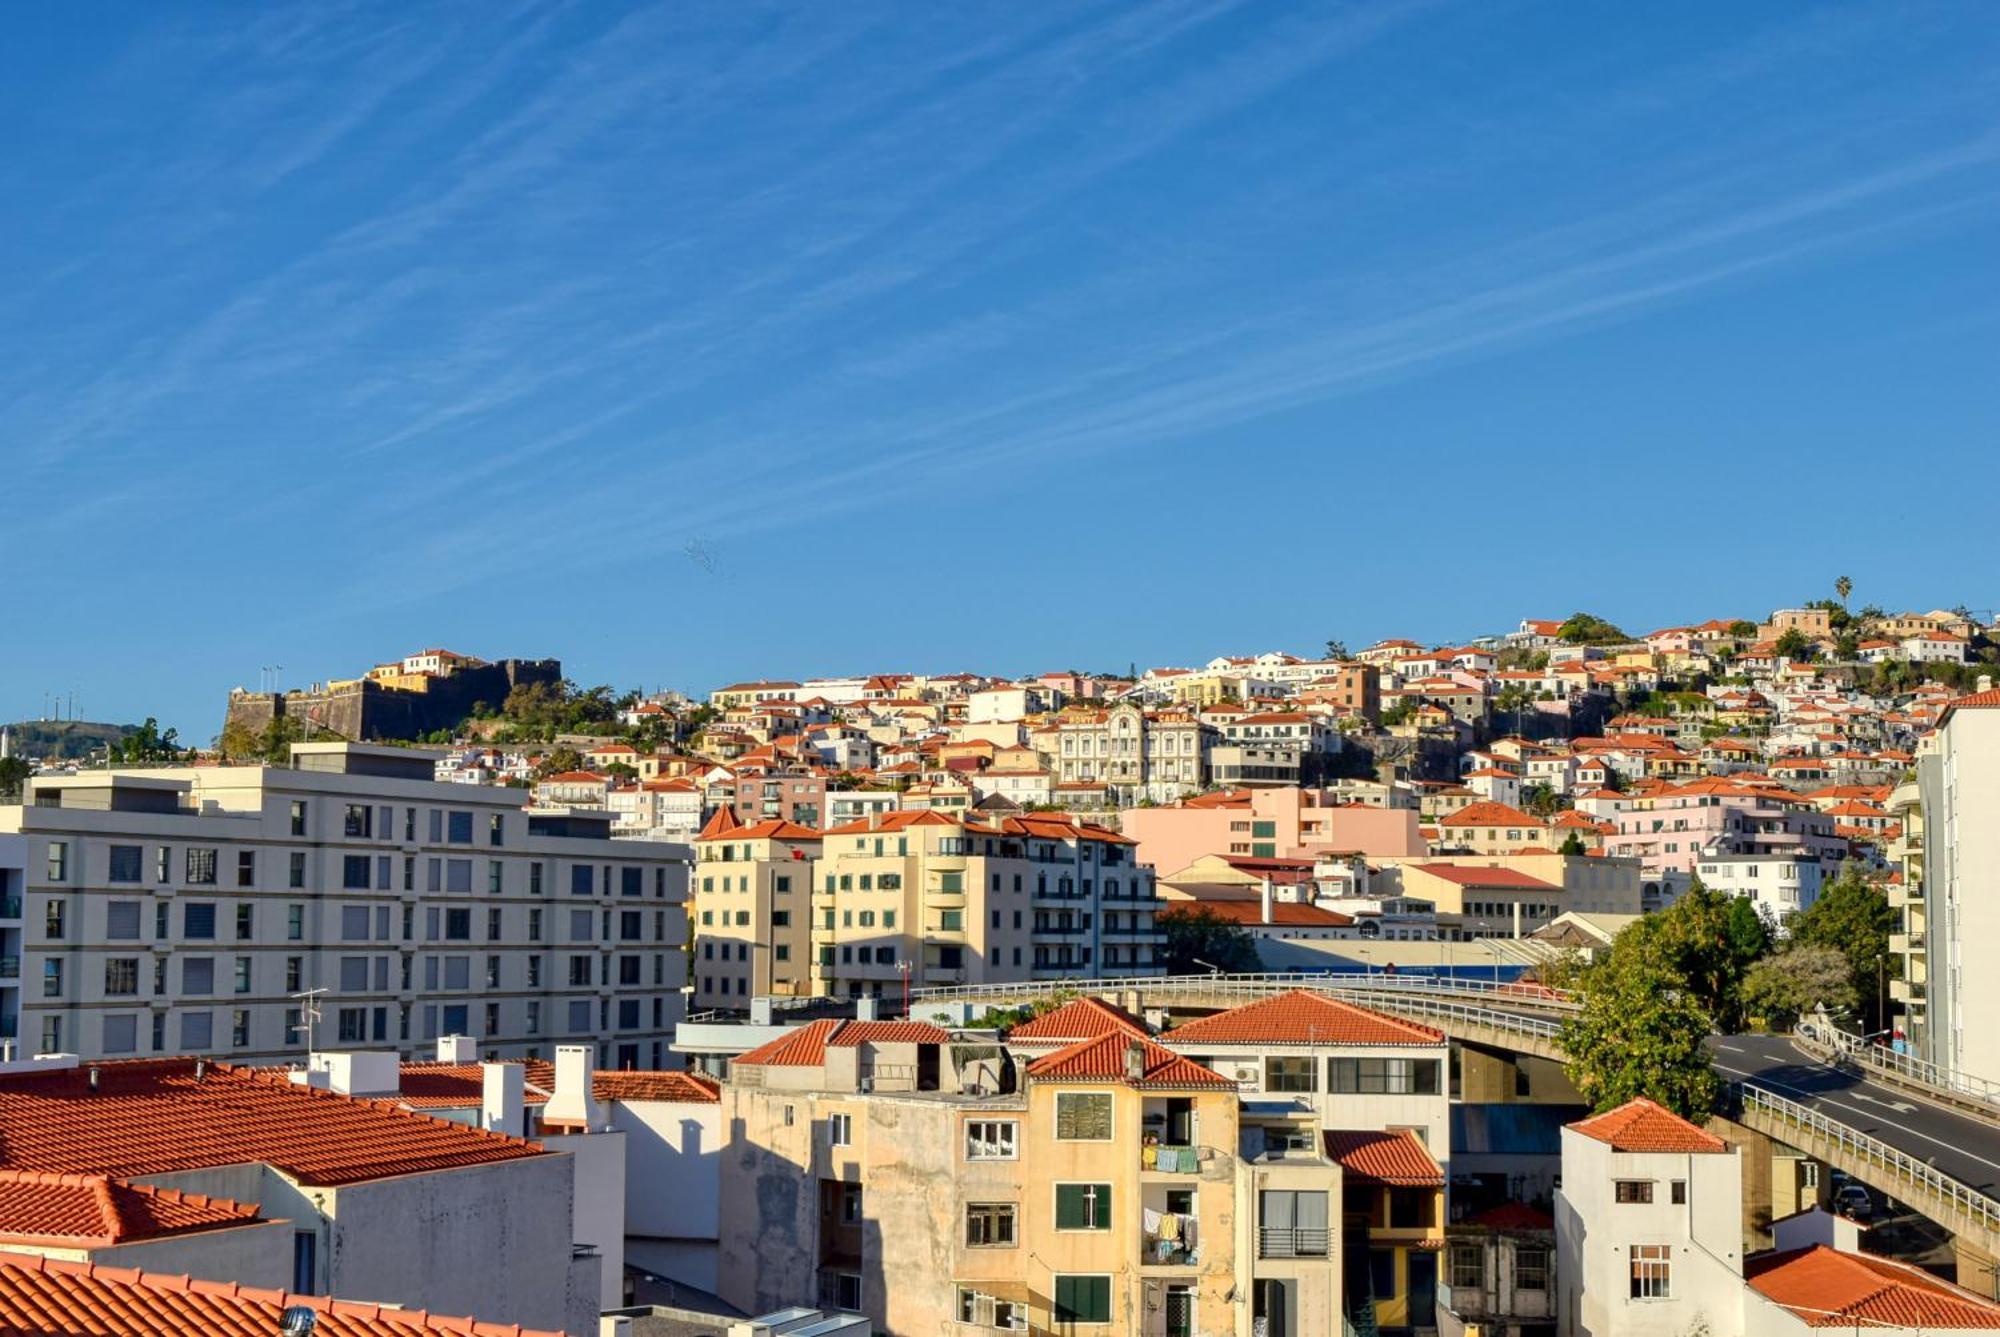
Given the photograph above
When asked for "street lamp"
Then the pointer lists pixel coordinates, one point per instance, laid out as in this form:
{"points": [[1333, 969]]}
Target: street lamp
{"points": [[905, 967], [1213, 969]]}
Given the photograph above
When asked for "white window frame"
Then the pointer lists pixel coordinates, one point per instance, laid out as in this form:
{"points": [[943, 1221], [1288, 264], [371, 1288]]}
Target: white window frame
{"points": [[1003, 1145]]}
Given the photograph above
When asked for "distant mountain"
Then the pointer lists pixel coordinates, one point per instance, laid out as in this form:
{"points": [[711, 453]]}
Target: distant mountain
{"points": [[65, 740]]}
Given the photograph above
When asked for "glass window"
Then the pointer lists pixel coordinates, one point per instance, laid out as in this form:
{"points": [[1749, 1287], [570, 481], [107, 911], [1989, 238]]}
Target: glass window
{"points": [[201, 867], [121, 1034], [198, 975], [459, 831], [1083, 1116], [198, 919], [1531, 1268], [989, 1224], [197, 1030], [1634, 1190], [121, 976], [1652, 1272], [1288, 1074], [121, 919], [1082, 1299], [1083, 1206], [128, 863]]}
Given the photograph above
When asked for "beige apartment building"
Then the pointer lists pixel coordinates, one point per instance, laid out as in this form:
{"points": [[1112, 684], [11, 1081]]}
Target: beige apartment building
{"points": [[1134, 754], [943, 899], [251, 912], [752, 904], [1958, 782], [1910, 939]]}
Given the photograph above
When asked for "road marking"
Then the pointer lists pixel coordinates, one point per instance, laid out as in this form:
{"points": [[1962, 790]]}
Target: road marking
{"points": [[1731, 1049], [1813, 1100], [1900, 1106]]}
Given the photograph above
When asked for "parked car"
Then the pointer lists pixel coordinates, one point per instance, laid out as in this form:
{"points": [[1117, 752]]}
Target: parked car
{"points": [[1854, 1200]]}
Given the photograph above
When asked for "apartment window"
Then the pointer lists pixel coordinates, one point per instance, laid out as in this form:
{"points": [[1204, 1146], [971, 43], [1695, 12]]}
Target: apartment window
{"points": [[1634, 1190], [353, 974], [127, 863], [295, 923], [534, 972], [989, 1225], [458, 875], [494, 874], [353, 923], [198, 975], [354, 872], [121, 1034], [197, 1030], [581, 926], [239, 1028], [353, 1025], [1382, 1076], [58, 861], [458, 829], [535, 878], [458, 925], [1652, 1272], [53, 919], [1083, 1299], [579, 971], [298, 870], [198, 920], [1083, 1206], [580, 879], [1680, 1192], [121, 920], [121, 976], [243, 968], [628, 1014], [201, 868], [495, 827], [1531, 1268], [579, 1014], [1083, 1116], [1288, 1074], [358, 823], [295, 974], [52, 1031], [629, 970], [246, 922], [535, 925], [298, 817], [839, 1130], [246, 868], [1468, 1267], [534, 1010], [493, 925], [991, 1139]]}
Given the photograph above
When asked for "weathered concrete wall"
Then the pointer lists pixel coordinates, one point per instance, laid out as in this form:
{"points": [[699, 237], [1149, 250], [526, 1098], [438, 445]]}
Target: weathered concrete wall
{"points": [[258, 1255]]}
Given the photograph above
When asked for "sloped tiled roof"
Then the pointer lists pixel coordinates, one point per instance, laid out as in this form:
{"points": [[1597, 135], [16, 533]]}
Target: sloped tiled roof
{"points": [[806, 1046], [1511, 1216], [461, 1085], [854, 1033], [1375, 1156], [1644, 1125], [93, 1210], [1301, 1017], [1078, 1019], [1463, 876], [1250, 910], [684, 1088], [1827, 1288], [43, 1297], [1491, 814], [155, 1116], [1105, 1059]]}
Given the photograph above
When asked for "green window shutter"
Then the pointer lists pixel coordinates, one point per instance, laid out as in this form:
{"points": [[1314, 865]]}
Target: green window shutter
{"points": [[1264, 850], [1267, 830], [1069, 1207]]}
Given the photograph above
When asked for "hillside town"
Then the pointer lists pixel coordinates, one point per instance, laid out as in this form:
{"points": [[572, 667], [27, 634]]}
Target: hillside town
{"points": [[1269, 996]]}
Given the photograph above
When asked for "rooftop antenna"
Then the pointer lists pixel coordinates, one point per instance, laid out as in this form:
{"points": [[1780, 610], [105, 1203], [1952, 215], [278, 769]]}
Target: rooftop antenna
{"points": [[309, 1013]]}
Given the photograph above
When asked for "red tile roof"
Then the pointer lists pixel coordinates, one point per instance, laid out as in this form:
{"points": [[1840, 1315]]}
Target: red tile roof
{"points": [[1371, 1156], [43, 1297], [79, 1211], [1511, 1216], [461, 1085], [806, 1046], [1078, 1019], [1490, 814], [1464, 876], [1827, 1288], [685, 1088], [155, 1116], [1107, 1058], [1247, 910], [1643, 1125], [1302, 1017]]}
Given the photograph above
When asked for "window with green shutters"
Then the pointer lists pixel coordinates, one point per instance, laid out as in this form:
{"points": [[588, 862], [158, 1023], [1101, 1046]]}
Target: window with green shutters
{"points": [[1083, 1299], [1264, 830], [951, 882], [1083, 1206], [1083, 1116]]}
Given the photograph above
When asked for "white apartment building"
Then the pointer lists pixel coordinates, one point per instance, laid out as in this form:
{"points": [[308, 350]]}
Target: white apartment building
{"points": [[667, 810], [1958, 780], [251, 912], [13, 879], [1777, 884]]}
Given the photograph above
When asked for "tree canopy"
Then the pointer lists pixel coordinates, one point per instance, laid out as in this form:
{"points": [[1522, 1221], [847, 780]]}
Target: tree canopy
{"points": [[1196, 939], [1853, 917], [1787, 985], [1589, 629]]}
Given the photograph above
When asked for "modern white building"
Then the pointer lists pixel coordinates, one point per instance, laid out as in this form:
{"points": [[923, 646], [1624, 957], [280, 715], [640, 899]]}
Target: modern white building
{"points": [[351, 900], [1777, 884], [1958, 781]]}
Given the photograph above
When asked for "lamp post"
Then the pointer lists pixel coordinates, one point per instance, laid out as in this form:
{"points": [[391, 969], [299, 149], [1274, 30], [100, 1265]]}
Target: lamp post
{"points": [[905, 966]]}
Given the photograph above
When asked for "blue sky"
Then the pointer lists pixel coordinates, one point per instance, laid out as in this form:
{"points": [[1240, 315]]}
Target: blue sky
{"points": [[692, 342]]}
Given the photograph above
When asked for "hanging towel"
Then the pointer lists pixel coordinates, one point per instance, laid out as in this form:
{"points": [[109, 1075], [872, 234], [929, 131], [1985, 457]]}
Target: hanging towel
{"points": [[1170, 1158], [1170, 1227], [1150, 1156], [1151, 1220]]}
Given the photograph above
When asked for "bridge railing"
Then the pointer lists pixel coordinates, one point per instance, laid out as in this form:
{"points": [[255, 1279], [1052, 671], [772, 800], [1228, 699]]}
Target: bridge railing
{"points": [[1910, 1173], [1446, 1012], [1260, 984], [1905, 1069]]}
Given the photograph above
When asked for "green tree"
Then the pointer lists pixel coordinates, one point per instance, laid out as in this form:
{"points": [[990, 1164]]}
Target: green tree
{"points": [[1589, 629], [14, 773], [1708, 941], [1639, 1032], [1784, 987], [1336, 649], [1743, 628], [1572, 844], [557, 760], [1194, 940], [1843, 587], [146, 745], [1852, 916], [1793, 644]]}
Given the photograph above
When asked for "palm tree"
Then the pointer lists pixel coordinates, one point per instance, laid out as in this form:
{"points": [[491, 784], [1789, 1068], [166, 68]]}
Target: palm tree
{"points": [[1843, 587]]}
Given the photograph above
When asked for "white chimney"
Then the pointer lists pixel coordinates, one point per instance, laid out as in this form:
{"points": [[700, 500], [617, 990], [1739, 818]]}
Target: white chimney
{"points": [[1264, 899], [503, 1098], [457, 1049], [360, 1072], [867, 1008], [1986, 682], [573, 1103], [1135, 1060]]}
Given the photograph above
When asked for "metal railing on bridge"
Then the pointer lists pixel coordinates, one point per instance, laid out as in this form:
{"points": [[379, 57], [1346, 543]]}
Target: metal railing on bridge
{"points": [[1840, 1048], [1512, 993], [1907, 1171]]}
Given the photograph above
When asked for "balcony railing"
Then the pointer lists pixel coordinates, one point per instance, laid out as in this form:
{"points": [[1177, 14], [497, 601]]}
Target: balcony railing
{"points": [[1293, 1242], [10, 907], [10, 967], [1157, 1252]]}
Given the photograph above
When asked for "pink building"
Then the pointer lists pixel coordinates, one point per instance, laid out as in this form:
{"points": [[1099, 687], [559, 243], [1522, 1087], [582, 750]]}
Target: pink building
{"points": [[1667, 831], [1287, 823]]}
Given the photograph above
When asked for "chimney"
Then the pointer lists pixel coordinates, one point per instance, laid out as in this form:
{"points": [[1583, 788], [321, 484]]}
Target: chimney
{"points": [[1264, 900], [760, 1010], [573, 1102], [867, 1008], [503, 1098], [1986, 682], [1135, 1060], [457, 1049]]}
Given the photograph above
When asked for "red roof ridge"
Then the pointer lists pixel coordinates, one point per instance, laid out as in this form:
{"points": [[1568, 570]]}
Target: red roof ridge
{"points": [[1105, 1058], [1383, 1156], [1301, 1016], [1078, 1019], [1643, 1125]]}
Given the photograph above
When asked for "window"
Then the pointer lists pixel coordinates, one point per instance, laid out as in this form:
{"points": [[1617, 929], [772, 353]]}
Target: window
{"points": [[840, 1130], [353, 923], [353, 975], [1083, 1206], [198, 919], [197, 1030], [986, 1311], [298, 817], [246, 868], [121, 920], [579, 971], [354, 872], [1288, 1074], [295, 923], [1468, 1267], [359, 822], [298, 873], [1083, 1116], [989, 1225], [58, 861], [201, 867], [1634, 1190], [459, 828], [1652, 1272], [494, 874], [246, 922], [535, 878], [991, 1139], [1382, 1076], [243, 969], [1680, 1192], [121, 1034], [127, 863], [458, 875], [121, 976], [53, 919], [198, 975], [495, 827], [458, 925], [458, 975], [579, 880], [1083, 1299], [295, 974], [1531, 1268]]}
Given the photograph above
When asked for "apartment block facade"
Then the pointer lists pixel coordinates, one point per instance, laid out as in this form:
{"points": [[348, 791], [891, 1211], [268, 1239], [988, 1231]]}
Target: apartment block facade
{"points": [[1958, 780], [752, 906], [351, 900]]}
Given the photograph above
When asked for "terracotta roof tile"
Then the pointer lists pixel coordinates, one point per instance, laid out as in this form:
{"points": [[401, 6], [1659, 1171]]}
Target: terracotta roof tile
{"points": [[1491, 814], [155, 1116], [43, 1297], [1251, 911], [1301, 1017], [1642, 1125], [1827, 1288], [1107, 1058], [1465, 876], [461, 1085], [1372, 1156], [92, 1210], [806, 1046], [1078, 1019]]}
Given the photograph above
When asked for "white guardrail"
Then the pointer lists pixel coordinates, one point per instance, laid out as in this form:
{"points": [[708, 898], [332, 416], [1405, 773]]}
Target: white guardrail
{"points": [[1258, 985], [1970, 1204], [1842, 1049]]}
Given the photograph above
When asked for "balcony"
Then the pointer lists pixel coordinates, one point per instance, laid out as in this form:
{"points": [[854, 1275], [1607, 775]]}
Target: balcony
{"points": [[10, 907], [1170, 1160], [1156, 1250], [10, 967], [1293, 1242]]}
